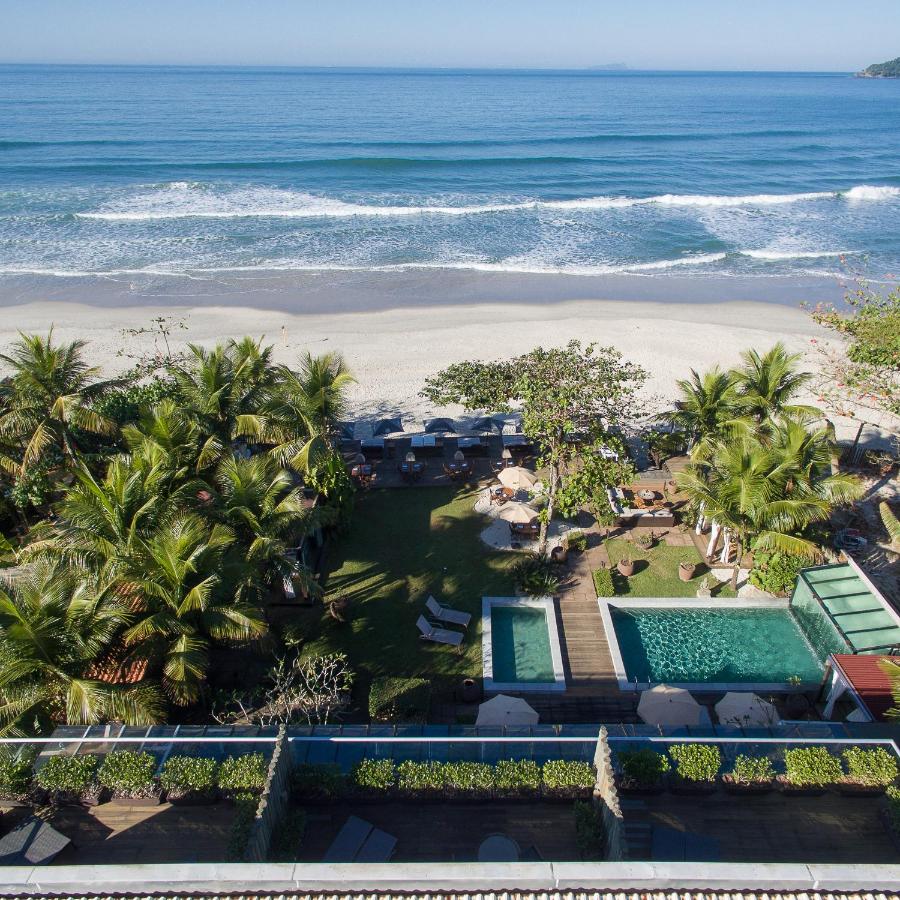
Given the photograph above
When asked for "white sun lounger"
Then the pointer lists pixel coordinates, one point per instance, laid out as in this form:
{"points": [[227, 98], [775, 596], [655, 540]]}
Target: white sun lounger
{"points": [[445, 614], [439, 635]]}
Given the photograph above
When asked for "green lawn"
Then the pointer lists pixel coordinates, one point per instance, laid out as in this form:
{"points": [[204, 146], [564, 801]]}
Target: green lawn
{"points": [[656, 571], [404, 545]]}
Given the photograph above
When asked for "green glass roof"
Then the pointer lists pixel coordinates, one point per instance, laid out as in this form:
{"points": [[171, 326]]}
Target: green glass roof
{"points": [[860, 613]]}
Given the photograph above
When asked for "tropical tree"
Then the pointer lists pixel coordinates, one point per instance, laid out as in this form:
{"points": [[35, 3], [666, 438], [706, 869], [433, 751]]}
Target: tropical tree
{"points": [[53, 630], [768, 385], [706, 407]]}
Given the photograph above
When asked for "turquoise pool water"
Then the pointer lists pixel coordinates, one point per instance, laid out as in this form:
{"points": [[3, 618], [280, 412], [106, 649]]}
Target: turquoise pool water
{"points": [[520, 645], [714, 645]]}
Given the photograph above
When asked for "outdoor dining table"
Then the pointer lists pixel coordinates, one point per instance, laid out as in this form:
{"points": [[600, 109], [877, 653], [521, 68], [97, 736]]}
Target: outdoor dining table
{"points": [[454, 469], [411, 469], [498, 848]]}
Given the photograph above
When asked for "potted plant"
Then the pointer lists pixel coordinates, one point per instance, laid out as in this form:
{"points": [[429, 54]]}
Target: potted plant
{"points": [[130, 775], [810, 770], [869, 771], [15, 780], [642, 771], [242, 775], [517, 779], [626, 566], [189, 780], [696, 768], [70, 781], [750, 775], [645, 540], [567, 779], [686, 569]]}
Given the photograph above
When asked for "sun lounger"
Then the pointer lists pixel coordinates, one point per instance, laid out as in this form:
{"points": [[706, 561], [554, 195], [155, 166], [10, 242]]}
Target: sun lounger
{"points": [[378, 847], [445, 614], [360, 841], [439, 635], [32, 842]]}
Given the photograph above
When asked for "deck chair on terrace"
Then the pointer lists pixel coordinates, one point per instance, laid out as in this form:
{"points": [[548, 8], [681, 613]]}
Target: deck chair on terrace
{"points": [[446, 614], [427, 632]]}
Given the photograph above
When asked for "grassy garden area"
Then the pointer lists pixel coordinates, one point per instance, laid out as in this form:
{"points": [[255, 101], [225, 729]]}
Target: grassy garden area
{"points": [[656, 571], [404, 545]]}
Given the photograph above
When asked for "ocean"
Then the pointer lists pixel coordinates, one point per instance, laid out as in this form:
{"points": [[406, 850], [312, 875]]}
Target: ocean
{"points": [[165, 174]]}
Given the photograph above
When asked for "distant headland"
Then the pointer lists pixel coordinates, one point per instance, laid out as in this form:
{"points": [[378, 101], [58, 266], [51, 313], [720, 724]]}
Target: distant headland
{"points": [[890, 69]]}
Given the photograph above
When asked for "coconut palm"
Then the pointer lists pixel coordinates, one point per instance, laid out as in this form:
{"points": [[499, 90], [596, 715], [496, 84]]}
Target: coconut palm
{"points": [[165, 439], [53, 629], [51, 399], [768, 385], [182, 587]]}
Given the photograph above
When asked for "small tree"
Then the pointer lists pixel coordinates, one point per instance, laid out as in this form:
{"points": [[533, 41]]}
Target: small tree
{"points": [[573, 401]]}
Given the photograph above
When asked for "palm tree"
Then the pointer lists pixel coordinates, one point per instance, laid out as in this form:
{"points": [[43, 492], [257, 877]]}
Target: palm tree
{"points": [[51, 400], [768, 385], [53, 629], [182, 587]]}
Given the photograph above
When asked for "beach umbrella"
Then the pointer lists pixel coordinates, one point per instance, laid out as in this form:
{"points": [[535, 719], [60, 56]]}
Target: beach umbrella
{"points": [[517, 478], [410, 457], [506, 453], [748, 710], [459, 456], [517, 513], [387, 426], [671, 706], [433, 426], [488, 423], [505, 710]]}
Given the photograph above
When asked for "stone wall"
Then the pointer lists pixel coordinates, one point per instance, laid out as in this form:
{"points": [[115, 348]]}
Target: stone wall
{"points": [[606, 795], [273, 802]]}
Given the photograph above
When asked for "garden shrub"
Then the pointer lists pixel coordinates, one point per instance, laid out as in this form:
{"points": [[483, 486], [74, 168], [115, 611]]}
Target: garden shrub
{"points": [[243, 774], [420, 777], [812, 766], [892, 795], [469, 779], [576, 540], [245, 805], [183, 775], [517, 777], [603, 583], [128, 773], [568, 778], [378, 775], [400, 699], [288, 836], [696, 762], [15, 776], [590, 835], [875, 767], [776, 572], [752, 770], [643, 768], [535, 574], [309, 782], [67, 774]]}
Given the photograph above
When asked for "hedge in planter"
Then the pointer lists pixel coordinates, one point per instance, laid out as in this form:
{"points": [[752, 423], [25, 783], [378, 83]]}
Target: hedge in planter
{"points": [[374, 776], [243, 774], [318, 783], [871, 768], [568, 778], [752, 770], [603, 583], [642, 769], [892, 797], [590, 835], [400, 699], [68, 777], [696, 763], [15, 777], [130, 774], [517, 778], [812, 767], [469, 779], [189, 778], [245, 805], [421, 778]]}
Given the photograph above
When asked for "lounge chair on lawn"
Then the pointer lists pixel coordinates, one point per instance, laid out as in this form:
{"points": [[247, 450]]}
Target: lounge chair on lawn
{"points": [[445, 614], [439, 635]]}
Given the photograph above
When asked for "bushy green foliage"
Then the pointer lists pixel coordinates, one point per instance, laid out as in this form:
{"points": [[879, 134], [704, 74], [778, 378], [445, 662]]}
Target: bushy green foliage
{"points": [[288, 836], [420, 777], [893, 807], [517, 777], [188, 773], [310, 782], [378, 775], [244, 773], [870, 766], [776, 572], [643, 768], [128, 773], [400, 699], [696, 762], [124, 405], [535, 574], [889, 69], [577, 540], [603, 583], [590, 835], [812, 767], [753, 769], [245, 805], [15, 775], [469, 778], [67, 774], [568, 777]]}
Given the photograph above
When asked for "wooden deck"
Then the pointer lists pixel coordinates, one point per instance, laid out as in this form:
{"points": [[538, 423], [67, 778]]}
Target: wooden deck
{"points": [[450, 832], [118, 833], [771, 827]]}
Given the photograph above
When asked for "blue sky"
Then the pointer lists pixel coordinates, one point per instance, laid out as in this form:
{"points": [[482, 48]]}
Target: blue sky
{"points": [[827, 35]]}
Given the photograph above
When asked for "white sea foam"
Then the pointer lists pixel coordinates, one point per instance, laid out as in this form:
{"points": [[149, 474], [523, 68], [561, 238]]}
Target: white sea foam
{"points": [[180, 200], [793, 254]]}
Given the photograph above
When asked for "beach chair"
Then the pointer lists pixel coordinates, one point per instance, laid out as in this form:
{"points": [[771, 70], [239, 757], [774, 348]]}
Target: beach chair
{"points": [[445, 614], [31, 843], [427, 632]]}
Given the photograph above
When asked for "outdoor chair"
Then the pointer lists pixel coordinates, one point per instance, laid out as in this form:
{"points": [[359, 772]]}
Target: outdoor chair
{"points": [[445, 614], [427, 632], [32, 842]]}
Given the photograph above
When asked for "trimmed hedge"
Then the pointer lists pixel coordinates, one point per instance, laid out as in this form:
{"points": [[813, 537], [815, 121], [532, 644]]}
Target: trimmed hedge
{"points": [[875, 767], [516, 777], [590, 835], [128, 773], [245, 805], [643, 768], [568, 778], [417, 778], [603, 583], [699, 763], [753, 770], [812, 767], [467, 779], [243, 774], [67, 774], [400, 699], [15, 776], [189, 774], [375, 775], [322, 783]]}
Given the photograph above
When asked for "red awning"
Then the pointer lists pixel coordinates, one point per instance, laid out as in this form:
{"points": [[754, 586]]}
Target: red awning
{"points": [[865, 675]]}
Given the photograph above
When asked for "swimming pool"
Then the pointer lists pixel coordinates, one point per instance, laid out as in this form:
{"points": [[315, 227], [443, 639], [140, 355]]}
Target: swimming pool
{"points": [[520, 644], [709, 646]]}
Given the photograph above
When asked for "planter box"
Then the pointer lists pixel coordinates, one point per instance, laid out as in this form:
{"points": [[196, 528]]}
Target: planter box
{"points": [[150, 800], [193, 798], [800, 790], [684, 787], [855, 789], [640, 790], [753, 787]]}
